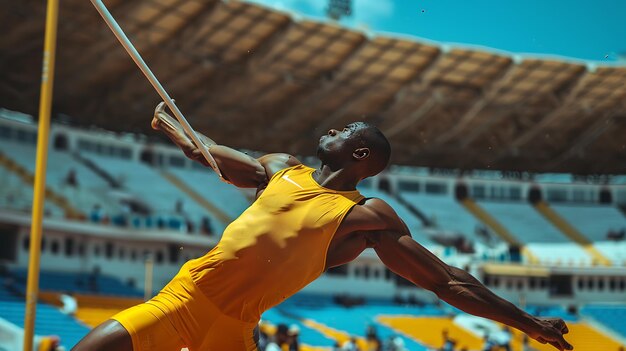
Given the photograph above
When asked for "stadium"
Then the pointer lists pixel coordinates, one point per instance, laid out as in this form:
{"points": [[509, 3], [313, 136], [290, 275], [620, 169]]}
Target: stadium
{"points": [[511, 167]]}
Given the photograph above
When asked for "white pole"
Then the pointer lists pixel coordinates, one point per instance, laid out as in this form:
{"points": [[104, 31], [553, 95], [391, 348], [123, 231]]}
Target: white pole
{"points": [[147, 284], [134, 54]]}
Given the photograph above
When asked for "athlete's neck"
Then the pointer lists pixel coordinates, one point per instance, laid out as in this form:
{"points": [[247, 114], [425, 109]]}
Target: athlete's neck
{"points": [[341, 179]]}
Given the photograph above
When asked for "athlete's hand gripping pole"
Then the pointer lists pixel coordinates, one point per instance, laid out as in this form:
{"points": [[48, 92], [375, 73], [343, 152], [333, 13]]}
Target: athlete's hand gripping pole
{"points": [[134, 54]]}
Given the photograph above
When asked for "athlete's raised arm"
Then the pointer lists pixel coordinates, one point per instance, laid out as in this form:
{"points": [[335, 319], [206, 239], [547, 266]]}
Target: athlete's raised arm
{"points": [[406, 257], [238, 168]]}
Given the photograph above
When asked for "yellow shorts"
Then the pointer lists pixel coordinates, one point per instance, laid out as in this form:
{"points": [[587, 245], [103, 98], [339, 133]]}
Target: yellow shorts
{"points": [[181, 316]]}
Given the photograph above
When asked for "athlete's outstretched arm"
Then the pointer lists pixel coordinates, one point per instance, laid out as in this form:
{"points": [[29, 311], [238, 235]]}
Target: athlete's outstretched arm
{"points": [[406, 257], [238, 168]]}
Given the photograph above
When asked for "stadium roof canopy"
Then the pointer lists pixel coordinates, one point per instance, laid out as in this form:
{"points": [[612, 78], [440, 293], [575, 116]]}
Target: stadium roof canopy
{"points": [[256, 78]]}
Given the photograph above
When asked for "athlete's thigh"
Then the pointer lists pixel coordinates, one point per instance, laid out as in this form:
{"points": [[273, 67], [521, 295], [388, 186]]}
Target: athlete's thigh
{"points": [[150, 328], [108, 336]]}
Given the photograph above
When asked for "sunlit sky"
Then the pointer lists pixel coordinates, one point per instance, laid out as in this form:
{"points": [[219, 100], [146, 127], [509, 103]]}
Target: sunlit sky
{"points": [[579, 29]]}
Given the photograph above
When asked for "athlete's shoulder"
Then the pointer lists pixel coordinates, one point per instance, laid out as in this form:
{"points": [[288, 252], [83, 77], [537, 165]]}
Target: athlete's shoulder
{"points": [[274, 163], [376, 214], [379, 208]]}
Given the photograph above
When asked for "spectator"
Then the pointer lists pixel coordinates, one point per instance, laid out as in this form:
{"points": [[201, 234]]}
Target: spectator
{"points": [[371, 337], [206, 226], [97, 214], [504, 339], [50, 343], [263, 335], [448, 343], [190, 226], [179, 207], [489, 344], [293, 340], [351, 345], [93, 279], [123, 218], [71, 178], [280, 338], [395, 343], [160, 222]]}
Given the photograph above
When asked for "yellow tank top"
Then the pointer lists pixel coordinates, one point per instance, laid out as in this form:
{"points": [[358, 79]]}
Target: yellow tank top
{"points": [[276, 247]]}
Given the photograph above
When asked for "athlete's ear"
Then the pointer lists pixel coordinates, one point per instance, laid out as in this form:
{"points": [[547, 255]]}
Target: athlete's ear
{"points": [[361, 153]]}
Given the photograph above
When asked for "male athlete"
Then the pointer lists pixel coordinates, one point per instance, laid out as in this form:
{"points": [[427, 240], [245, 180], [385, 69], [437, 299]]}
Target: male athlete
{"points": [[303, 222]]}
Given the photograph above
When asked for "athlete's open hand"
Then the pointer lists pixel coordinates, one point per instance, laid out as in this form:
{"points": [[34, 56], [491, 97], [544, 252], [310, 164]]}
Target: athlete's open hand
{"points": [[551, 331]]}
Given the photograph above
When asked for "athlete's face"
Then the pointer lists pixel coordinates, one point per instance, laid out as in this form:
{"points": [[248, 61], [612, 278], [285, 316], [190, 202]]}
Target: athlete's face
{"points": [[336, 142]]}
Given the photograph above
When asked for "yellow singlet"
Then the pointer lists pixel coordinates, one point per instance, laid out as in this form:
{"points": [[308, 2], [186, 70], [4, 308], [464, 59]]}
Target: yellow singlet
{"points": [[275, 248]]}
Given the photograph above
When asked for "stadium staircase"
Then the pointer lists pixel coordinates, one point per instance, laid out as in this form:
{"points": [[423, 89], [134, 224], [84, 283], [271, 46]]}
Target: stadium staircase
{"points": [[572, 233], [182, 186], [29, 178], [482, 215]]}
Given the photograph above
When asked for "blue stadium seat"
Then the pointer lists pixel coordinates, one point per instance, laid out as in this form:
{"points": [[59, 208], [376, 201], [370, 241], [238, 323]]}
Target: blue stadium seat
{"points": [[49, 321], [78, 282]]}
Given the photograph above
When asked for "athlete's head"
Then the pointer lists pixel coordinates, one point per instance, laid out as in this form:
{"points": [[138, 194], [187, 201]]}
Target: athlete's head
{"points": [[359, 145]]}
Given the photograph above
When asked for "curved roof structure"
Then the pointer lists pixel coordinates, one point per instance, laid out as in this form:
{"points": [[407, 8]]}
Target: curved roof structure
{"points": [[255, 78]]}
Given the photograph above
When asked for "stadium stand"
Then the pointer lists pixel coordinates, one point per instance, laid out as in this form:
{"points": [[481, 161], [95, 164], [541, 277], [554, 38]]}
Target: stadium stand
{"points": [[547, 243], [14, 194], [208, 185], [447, 214], [524, 222], [308, 335], [571, 232], [340, 323], [87, 283], [17, 191], [49, 320], [614, 251], [594, 221], [90, 189], [149, 186], [428, 330]]}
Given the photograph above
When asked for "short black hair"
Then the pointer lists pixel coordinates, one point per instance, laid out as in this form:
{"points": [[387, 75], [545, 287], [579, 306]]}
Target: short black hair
{"points": [[380, 148]]}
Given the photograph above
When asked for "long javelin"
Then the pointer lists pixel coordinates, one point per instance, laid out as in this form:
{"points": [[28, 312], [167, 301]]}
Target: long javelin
{"points": [[134, 54]]}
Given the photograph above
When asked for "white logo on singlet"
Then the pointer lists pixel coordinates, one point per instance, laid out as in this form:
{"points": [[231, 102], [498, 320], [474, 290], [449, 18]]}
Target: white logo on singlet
{"points": [[286, 177]]}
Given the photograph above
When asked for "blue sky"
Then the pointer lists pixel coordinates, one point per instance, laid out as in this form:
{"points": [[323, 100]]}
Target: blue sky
{"points": [[580, 29]]}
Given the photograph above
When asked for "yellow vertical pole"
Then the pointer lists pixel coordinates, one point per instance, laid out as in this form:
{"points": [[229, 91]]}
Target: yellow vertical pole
{"points": [[45, 104]]}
